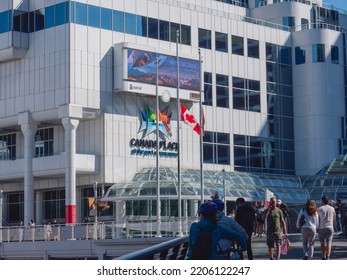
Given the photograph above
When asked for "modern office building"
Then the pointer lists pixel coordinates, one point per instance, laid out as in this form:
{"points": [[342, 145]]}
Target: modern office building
{"points": [[78, 88]]}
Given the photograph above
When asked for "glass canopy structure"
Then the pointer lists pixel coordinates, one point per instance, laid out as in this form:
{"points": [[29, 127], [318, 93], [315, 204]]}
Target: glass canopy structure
{"points": [[237, 184]]}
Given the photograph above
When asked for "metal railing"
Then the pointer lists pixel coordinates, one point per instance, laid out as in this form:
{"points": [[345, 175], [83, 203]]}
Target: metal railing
{"points": [[170, 227], [176, 249]]}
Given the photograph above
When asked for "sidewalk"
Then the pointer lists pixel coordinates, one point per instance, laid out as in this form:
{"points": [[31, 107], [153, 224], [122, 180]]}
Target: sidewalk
{"points": [[339, 248]]}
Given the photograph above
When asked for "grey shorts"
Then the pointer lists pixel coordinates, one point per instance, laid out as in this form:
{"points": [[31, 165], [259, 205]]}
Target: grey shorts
{"points": [[325, 234]]}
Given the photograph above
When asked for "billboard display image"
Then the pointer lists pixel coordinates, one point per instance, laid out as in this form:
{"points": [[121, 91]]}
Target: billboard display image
{"points": [[142, 69]]}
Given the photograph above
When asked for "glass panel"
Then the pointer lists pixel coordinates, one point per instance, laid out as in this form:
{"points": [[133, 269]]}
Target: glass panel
{"points": [[239, 99], [221, 42], [207, 95], [130, 23], [208, 153], [238, 82], [286, 55], [153, 28], [208, 77], [300, 57], [24, 23], [204, 38], [185, 35], [173, 29], [81, 13], [141, 26], [164, 30], [31, 21], [223, 138], [253, 48], [223, 154], [4, 22], [94, 16], [49, 19], [254, 101], [271, 52], [222, 96], [237, 45], [118, 21], [106, 19], [240, 156], [60, 16], [222, 80], [318, 53], [16, 20], [335, 54]]}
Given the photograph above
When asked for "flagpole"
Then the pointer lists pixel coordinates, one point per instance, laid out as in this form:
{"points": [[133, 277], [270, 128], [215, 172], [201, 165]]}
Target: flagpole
{"points": [[179, 208], [157, 151], [201, 133]]}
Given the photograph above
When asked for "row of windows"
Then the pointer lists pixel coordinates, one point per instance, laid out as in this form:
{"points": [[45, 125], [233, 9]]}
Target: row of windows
{"points": [[93, 16], [44, 140], [252, 153], [318, 54], [246, 92]]}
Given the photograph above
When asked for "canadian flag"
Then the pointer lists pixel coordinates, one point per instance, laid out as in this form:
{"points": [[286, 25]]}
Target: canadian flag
{"points": [[189, 119]]}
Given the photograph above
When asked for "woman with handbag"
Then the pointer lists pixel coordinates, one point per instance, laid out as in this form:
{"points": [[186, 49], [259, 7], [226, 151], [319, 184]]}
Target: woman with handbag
{"points": [[308, 226]]}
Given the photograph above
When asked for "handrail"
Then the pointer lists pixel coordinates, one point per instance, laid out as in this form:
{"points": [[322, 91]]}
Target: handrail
{"points": [[175, 249]]}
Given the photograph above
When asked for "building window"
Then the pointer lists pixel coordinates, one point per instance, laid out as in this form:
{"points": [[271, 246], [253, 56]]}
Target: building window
{"points": [[141, 26], [304, 24], [222, 91], [118, 21], [5, 22], [153, 28], [8, 146], [130, 23], [300, 57], [185, 34], [271, 52], [164, 30], [204, 38], [237, 45], [15, 207], [93, 16], [221, 42], [208, 88], [246, 94], [335, 54], [288, 21], [106, 19], [216, 148], [53, 204], [253, 48], [318, 53], [80, 13], [44, 140]]}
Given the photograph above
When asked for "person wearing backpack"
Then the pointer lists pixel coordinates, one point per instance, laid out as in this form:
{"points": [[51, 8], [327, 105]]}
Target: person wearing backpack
{"points": [[245, 216], [205, 234], [309, 228], [225, 246]]}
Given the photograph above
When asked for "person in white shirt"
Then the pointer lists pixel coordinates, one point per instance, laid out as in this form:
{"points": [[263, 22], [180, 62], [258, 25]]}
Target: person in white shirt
{"points": [[309, 229], [327, 218]]}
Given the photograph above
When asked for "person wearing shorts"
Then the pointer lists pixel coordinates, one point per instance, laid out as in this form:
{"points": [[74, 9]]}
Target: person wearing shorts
{"points": [[275, 226], [327, 216]]}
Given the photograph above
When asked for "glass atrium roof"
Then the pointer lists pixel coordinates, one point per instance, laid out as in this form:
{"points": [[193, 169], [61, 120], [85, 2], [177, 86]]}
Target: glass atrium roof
{"points": [[237, 184]]}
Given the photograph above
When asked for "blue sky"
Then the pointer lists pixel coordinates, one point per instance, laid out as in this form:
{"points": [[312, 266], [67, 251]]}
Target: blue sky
{"points": [[342, 4]]}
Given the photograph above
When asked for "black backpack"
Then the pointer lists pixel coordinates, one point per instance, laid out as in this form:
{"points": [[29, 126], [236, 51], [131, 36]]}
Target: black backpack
{"points": [[201, 248]]}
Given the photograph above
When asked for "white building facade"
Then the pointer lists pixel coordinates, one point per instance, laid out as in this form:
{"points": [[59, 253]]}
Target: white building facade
{"points": [[72, 113]]}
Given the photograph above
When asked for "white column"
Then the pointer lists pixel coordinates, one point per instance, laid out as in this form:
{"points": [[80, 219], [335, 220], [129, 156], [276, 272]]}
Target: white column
{"points": [[70, 126], [38, 207], [28, 130]]}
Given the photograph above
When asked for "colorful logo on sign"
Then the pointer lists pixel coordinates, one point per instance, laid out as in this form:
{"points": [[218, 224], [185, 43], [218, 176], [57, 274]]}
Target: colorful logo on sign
{"points": [[149, 122]]}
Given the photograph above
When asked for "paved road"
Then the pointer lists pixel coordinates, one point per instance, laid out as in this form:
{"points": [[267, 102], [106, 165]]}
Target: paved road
{"points": [[339, 248]]}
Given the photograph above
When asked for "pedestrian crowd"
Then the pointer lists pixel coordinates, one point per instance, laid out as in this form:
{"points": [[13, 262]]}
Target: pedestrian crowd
{"points": [[220, 236]]}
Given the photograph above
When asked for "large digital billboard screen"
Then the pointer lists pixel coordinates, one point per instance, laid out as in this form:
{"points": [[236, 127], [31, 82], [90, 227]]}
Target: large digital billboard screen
{"points": [[142, 69]]}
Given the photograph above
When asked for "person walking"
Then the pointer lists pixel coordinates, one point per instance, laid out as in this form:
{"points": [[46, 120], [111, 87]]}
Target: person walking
{"points": [[327, 218], [204, 246], [309, 229], [338, 213], [225, 246], [275, 227], [260, 218], [245, 216]]}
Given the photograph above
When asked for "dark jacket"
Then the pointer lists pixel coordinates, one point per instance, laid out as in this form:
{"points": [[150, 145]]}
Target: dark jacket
{"points": [[217, 232], [245, 216]]}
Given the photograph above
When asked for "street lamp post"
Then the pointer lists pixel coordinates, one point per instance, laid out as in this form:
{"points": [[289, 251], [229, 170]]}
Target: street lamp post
{"points": [[224, 191], [157, 151], [95, 188]]}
